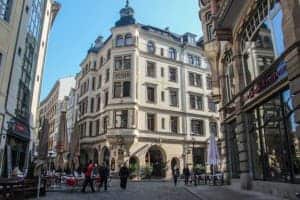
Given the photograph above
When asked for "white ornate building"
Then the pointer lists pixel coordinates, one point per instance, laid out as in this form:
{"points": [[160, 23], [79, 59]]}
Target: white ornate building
{"points": [[144, 97]]}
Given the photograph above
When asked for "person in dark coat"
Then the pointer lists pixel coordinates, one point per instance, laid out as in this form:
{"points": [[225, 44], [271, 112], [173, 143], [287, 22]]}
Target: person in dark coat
{"points": [[124, 174], [88, 177], [175, 173], [104, 174], [186, 173]]}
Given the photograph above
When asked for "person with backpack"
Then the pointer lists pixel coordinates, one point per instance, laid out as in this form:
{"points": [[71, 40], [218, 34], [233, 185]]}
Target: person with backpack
{"points": [[175, 173]]}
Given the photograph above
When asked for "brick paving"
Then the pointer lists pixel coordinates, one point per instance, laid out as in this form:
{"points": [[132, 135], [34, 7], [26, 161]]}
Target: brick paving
{"points": [[160, 191]]}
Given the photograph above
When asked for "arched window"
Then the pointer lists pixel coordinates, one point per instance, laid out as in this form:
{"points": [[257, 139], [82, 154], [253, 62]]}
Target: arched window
{"points": [[151, 47], [172, 53], [128, 39], [119, 41]]}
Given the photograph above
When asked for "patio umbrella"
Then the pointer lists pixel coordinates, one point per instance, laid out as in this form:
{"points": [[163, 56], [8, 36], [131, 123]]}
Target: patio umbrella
{"points": [[62, 140], [213, 157]]}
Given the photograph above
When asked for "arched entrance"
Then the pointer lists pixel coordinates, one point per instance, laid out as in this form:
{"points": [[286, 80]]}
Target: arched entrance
{"points": [[175, 163], [105, 155], [134, 166], [83, 159], [156, 158]]}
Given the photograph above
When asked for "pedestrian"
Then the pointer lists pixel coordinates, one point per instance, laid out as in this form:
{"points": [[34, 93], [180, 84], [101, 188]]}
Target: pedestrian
{"points": [[124, 174], [104, 174], [186, 173], [88, 177], [176, 174]]}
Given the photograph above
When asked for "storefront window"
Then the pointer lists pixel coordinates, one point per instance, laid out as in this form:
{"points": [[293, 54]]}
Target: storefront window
{"points": [[234, 162], [273, 144]]}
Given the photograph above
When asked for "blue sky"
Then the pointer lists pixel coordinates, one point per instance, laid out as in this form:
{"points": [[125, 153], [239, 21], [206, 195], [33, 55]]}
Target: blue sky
{"points": [[78, 24]]}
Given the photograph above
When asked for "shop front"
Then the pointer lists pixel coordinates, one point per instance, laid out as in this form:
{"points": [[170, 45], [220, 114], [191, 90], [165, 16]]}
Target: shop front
{"points": [[16, 151], [274, 147]]}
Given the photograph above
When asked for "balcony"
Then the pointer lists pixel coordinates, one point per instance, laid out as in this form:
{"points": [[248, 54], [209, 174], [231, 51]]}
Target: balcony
{"points": [[121, 75]]}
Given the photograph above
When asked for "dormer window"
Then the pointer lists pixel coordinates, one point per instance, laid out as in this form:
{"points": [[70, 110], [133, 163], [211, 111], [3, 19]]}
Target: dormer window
{"points": [[172, 53], [119, 41], [128, 39], [151, 47]]}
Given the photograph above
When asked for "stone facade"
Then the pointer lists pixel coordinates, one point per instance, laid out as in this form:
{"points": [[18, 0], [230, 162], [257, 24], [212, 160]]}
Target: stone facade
{"points": [[144, 97], [254, 51], [22, 52]]}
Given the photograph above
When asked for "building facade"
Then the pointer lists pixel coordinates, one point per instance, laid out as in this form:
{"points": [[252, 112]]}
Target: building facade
{"points": [[144, 99], [24, 28], [52, 107], [254, 50]]}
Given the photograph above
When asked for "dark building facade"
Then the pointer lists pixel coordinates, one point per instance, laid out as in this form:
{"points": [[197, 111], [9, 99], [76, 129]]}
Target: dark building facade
{"points": [[254, 50]]}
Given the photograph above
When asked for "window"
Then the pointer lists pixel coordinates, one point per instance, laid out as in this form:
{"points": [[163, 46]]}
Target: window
{"points": [[105, 124], [122, 63], [92, 105], [162, 52], [127, 62], [128, 39], [172, 53], [151, 47], [126, 89], [106, 98], [1, 56], [119, 41], [173, 74], [213, 128], [99, 81], [98, 102], [101, 61], [196, 102], [108, 54], [121, 89], [162, 96], [162, 72], [151, 122], [150, 94], [107, 75], [91, 128], [151, 71], [121, 119], [209, 82], [117, 90], [163, 123], [118, 63], [173, 97], [210, 32], [97, 127], [93, 83], [212, 107], [191, 59], [195, 79], [5, 9], [197, 127], [174, 124]]}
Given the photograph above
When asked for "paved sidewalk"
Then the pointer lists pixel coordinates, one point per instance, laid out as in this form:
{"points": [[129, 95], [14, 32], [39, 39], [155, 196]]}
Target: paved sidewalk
{"points": [[205, 192]]}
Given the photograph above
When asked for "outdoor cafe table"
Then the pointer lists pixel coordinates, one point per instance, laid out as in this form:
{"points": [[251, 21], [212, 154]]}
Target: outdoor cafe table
{"points": [[8, 186]]}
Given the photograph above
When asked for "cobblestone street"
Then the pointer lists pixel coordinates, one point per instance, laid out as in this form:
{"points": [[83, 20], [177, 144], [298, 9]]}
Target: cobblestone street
{"points": [[160, 191]]}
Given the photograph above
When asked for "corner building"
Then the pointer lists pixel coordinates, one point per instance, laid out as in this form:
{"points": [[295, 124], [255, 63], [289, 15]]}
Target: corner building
{"points": [[253, 47], [144, 98]]}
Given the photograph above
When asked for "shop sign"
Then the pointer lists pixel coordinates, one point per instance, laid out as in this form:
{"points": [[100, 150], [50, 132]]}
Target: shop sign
{"points": [[267, 81], [18, 128]]}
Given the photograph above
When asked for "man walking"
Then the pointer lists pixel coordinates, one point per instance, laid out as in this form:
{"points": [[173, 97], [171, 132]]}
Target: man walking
{"points": [[175, 173], [124, 173], [104, 174], [186, 173], [88, 177]]}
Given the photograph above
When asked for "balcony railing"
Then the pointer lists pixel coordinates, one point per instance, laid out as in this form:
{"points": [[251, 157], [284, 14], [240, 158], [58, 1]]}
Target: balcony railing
{"points": [[121, 75]]}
